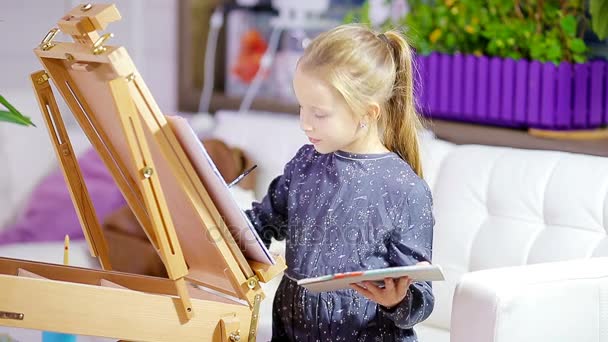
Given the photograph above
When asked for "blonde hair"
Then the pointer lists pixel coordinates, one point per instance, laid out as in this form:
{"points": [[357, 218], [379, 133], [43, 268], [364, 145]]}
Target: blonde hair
{"points": [[364, 68]]}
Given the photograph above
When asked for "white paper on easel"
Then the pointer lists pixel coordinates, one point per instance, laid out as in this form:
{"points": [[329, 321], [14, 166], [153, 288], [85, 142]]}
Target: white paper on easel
{"points": [[239, 225]]}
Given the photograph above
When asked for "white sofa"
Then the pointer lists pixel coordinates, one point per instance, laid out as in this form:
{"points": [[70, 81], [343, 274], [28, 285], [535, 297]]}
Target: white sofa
{"points": [[515, 231]]}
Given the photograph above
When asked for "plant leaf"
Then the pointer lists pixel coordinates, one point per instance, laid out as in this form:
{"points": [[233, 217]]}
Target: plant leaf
{"points": [[578, 46], [599, 11], [8, 106], [580, 59], [13, 115], [568, 24], [12, 118]]}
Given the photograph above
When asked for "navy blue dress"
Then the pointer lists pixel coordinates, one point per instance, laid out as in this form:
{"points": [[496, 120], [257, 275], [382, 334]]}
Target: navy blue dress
{"points": [[344, 212]]}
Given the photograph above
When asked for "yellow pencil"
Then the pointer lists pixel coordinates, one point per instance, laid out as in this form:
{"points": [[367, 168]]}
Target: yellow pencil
{"points": [[49, 336], [66, 250]]}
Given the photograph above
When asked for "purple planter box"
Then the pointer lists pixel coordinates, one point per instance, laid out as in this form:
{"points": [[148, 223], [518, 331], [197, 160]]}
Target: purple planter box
{"points": [[507, 89], [445, 81], [457, 86], [469, 87], [504, 92]]}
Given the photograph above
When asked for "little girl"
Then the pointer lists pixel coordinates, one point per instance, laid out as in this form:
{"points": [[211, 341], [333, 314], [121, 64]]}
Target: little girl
{"points": [[354, 199]]}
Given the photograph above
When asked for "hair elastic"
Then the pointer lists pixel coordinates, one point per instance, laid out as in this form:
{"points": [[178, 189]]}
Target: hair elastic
{"points": [[384, 38]]}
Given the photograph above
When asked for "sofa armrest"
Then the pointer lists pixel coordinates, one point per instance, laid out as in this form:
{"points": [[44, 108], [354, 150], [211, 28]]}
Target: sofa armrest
{"points": [[559, 301]]}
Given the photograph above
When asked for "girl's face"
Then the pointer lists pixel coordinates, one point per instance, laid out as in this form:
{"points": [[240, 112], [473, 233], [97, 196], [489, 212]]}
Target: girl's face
{"points": [[324, 115]]}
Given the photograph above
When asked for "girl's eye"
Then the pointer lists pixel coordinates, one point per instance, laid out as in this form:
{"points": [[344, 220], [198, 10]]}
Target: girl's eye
{"points": [[319, 115]]}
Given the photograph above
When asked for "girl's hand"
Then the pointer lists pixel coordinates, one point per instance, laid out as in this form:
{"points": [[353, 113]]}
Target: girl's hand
{"points": [[392, 294]]}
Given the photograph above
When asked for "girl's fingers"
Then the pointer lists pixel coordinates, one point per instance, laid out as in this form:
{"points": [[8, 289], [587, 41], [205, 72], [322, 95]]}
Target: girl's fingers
{"points": [[393, 288], [402, 284], [389, 284], [362, 291], [371, 287]]}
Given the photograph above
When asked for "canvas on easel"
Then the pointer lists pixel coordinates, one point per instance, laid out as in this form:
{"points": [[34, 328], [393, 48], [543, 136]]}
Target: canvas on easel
{"points": [[115, 109]]}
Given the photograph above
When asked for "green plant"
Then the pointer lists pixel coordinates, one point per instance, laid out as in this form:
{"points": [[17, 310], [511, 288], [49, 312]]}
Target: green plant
{"points": [[359, 15], [599, 10], [13, 115], [544, 30]]}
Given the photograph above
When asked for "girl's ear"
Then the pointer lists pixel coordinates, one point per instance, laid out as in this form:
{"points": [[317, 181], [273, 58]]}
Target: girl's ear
{"points": [[373, 113]]}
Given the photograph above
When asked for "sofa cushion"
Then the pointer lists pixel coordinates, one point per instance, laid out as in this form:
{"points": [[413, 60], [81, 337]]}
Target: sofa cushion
{"points": [[50, 201], [498, 207]]}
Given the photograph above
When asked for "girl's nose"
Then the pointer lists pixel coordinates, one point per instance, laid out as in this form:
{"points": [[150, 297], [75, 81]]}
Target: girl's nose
{"points": [[304, 124]]}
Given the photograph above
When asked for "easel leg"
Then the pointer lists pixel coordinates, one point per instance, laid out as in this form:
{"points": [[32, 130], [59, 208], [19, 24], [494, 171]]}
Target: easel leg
{"points": [[160, 217], [184, 296], [71, 170], [99, 139]]}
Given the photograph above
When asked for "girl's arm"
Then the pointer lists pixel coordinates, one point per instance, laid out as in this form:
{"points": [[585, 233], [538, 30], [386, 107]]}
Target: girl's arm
{"points": [[269, 217], [411, 243]]}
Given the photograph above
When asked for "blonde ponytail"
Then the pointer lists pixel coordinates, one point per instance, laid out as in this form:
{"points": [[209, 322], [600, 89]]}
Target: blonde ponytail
{"points": [[401, 121]]}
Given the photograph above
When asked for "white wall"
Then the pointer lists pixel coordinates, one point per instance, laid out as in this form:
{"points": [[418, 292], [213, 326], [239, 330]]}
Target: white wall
{"points": [[148, 30]]}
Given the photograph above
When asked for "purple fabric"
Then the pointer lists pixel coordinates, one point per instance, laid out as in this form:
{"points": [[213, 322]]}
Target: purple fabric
{"points": [[49, 213]]}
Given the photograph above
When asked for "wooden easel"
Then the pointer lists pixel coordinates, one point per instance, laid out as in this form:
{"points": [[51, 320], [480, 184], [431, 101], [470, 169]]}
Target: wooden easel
{"points": [[115, 109]]}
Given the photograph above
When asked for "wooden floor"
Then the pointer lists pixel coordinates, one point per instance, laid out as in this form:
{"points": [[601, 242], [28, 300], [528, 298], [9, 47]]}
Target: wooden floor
{"points": [[456, 132]]}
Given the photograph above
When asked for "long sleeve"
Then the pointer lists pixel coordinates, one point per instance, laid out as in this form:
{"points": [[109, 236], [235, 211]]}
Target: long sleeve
{"points": [[270, 217], [410, 243]]}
